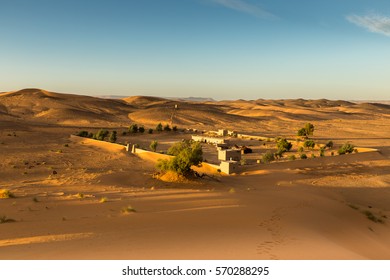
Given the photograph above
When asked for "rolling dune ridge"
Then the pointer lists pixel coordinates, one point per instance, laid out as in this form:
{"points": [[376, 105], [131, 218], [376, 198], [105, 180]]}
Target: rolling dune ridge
{"points": [[77, 198]]}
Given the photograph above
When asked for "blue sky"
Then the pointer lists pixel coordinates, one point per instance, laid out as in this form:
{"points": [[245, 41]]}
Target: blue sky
{"points": [[225, 49]]}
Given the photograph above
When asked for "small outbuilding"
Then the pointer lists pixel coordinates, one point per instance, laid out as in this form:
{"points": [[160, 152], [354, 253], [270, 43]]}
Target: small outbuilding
{"points": [[229, 155], [229, 167]]}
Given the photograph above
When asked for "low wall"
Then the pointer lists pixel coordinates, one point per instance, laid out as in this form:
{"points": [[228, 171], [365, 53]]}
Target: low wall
{"points": [[246, 136], [149, 155]]}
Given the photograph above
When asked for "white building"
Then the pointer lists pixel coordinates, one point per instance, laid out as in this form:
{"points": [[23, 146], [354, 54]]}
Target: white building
{"points": [[210, 140]]}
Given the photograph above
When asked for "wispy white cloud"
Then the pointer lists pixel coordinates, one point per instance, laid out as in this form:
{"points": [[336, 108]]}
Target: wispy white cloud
{"points": [[245, 7], [372, 22]]}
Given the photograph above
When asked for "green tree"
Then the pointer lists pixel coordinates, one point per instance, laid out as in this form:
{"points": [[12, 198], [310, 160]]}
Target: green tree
{"points": [[329, 145], [141, 129], [307, 130], [133, 128], [101, 135], [83, 133], [153, 145], [150, 130], [346, 149], [167, 128], [283, 145], [112, 137], [159, 127], [186, 154]]}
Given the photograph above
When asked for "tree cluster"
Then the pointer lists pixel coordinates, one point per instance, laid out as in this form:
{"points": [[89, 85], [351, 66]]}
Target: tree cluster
{"points": [[134, 128], [186, 154], [101, 135]]}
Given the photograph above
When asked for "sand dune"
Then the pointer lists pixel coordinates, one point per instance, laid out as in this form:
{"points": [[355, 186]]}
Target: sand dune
{"points": [[79, 198], [48, 107]]}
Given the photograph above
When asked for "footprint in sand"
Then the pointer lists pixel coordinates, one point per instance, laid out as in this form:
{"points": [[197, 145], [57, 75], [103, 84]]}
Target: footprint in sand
{"points": [[267, 247]]}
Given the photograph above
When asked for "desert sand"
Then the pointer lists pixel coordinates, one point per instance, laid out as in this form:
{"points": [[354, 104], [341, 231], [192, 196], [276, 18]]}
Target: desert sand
{"points": [[76, 198]]}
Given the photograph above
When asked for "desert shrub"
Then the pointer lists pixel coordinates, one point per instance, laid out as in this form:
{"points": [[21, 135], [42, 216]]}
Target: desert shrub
{"points": [[329, 145], [150, 130], [322, 151], [4, 193], [303, 156], [167, 128], [242, 161], [124, 133], [268, 157], [301, 132], [186, 154], [128, 209], [372, 217], [4, 219], [301, 149], [353, 206], [82, 133], [159, 127], [153, 146], [133, 128], [279, 154], [292, 157], [90, 135], [346, 149], [307, 130], [309, 144], [141, 129], [313, 156], [112, 137], [174, 128], [283, 145], [80, 195], [101, 135]]}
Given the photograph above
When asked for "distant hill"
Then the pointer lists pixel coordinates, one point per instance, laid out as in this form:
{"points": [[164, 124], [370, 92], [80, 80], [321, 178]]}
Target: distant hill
{"points": [[41, 106], [111, 96], [373, 101], [190, 99], [193, 99]]}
